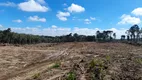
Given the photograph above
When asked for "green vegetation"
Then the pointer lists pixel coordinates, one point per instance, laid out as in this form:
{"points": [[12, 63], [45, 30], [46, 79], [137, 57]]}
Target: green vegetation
{"points": [[36, 76], [71, 76], [98, 68], [138, 60], [114, 67], [6, 36], [105, 36], [56, 65], [134, 34]]}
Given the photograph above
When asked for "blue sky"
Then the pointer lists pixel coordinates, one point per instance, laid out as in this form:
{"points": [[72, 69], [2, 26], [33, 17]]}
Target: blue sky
{"points": [[59, 17]]}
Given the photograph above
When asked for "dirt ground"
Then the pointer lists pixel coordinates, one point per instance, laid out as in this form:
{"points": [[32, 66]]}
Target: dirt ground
{"points": [[70, 61]]}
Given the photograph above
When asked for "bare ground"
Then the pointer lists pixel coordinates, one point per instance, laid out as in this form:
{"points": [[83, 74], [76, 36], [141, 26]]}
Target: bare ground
{"points": [[57, 61]]}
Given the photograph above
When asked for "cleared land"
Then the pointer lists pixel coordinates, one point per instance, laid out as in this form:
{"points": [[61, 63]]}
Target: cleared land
{"points": [[63, 61]]}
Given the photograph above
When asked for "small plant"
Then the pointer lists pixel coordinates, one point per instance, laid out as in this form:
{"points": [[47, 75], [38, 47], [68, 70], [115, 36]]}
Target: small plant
{"points": [[71, 76], [98, 69], [56, 65], [139, 60], [97, 62], [92, 64], [36, 76], [108, 58]]}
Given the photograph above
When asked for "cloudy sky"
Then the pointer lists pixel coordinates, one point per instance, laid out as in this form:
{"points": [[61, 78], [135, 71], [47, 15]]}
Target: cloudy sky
{"points": [[59, 17]]}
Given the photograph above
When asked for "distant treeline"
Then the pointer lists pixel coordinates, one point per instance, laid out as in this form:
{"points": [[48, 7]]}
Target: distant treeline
{"points": [[6, 36], [134, 35]]}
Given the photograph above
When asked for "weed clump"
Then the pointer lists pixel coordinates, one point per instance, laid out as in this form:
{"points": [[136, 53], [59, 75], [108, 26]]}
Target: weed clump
{"points": [[71, 76], [139, 60], [56, 65], [36, 76], [98, 69]]}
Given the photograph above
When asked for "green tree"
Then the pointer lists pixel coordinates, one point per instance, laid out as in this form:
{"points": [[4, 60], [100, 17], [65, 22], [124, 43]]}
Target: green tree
{"points": [[114, 35], [123, 37], [134, 30]]}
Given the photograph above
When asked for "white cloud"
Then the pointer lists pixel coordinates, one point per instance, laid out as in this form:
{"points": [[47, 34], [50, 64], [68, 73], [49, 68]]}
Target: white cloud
{"points": [[137, 12], [41, 1], [32, 6], [119, 32], [54, 26], [27, 30], [63, 15], [8, 4], [87, 21], [92, 18], [85, 31], [50, 31], [1, 26], [127, 19], [76, 8], [58, 31], [77, 19], [36, 18], [18, 21]]}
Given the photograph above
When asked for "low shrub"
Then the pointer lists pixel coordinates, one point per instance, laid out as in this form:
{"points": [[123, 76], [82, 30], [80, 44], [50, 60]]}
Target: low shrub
{"points": [[71, 76]]}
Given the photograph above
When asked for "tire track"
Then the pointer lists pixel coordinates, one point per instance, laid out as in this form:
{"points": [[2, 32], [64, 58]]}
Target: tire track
{"points": [[25, 72]]}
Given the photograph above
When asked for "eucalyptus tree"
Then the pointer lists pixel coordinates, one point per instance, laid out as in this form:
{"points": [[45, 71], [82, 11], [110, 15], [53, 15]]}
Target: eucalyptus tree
{"points": [[110, 33], [140, 34], [134, 30], [129, 36], [114, 35], [98, 35], [104, 36]]}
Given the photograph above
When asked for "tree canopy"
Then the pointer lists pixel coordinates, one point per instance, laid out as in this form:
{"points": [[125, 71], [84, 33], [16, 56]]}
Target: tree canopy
{"points": [[6, 36]]}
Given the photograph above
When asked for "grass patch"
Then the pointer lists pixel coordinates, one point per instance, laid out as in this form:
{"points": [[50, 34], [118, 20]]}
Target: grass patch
{"points": [[56, 65], [71, 76], [108, 58], [139, 60], [36, 76], [98, 69]]}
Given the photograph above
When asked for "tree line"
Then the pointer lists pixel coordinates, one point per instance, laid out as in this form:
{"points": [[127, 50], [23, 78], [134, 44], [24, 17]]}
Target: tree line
{"points": [[7, 36], [134, 34]]}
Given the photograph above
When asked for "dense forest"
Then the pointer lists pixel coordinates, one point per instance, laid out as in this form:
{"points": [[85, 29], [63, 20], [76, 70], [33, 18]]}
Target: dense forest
{"points": [[6, 36]]}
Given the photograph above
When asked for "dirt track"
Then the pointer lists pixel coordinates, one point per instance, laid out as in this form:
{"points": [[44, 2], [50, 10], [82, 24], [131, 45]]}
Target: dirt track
{"points": [[24, 62]]}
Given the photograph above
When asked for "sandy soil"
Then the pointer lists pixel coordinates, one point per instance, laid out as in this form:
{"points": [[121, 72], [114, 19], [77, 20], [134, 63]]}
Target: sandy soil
{"points": [[36, 62]]}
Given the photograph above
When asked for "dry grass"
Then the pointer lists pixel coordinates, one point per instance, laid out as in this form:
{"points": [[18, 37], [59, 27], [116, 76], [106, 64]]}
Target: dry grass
{"points": [[87, 61]]}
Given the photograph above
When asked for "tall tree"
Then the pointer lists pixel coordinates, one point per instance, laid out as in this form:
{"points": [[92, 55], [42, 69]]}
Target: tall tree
{"points": [[114, 35], [134, 30], [129, 37], [140, 34], [110, 34]]}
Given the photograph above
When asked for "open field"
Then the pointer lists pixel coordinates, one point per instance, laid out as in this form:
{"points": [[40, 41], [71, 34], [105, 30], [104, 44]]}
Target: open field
{"points": [[63, 61]]}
